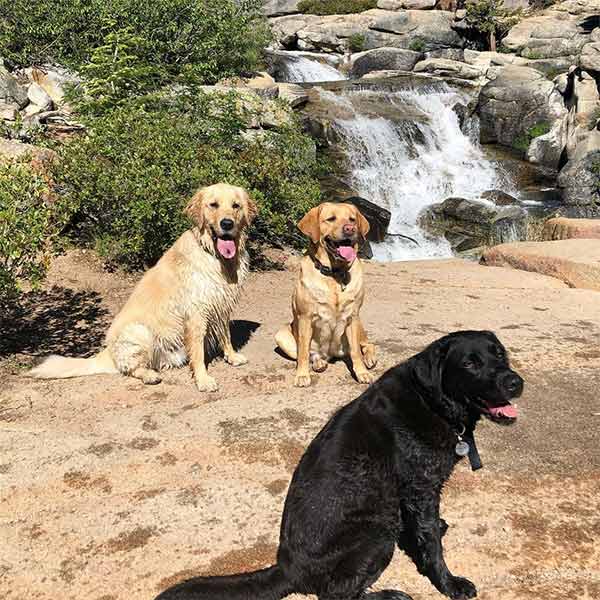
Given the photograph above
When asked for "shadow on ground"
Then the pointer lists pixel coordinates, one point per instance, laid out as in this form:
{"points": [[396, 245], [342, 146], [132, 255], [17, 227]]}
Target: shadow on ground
{"points": [[58, 320]]}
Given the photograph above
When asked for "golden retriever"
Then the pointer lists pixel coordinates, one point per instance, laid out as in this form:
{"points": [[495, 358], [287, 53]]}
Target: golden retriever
{"points": [[185, 300], [328, 296]]}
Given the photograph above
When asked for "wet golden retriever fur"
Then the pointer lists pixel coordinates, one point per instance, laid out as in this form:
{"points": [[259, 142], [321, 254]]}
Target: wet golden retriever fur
{"points": [[183, 304], [325, 307]]}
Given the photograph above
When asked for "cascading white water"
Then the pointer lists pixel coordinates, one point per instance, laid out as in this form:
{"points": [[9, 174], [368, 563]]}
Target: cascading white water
{"points": [[405, 166], [299, 69]]}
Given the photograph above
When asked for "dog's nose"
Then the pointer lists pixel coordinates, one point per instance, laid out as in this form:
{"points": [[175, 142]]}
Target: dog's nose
{"points": [[227, 224], [349, 228], [513, 383]]}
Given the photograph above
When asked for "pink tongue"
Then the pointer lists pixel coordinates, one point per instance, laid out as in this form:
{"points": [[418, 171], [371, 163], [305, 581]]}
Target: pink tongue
{"points": [[226, 248], [347, 253], [509, 411]]}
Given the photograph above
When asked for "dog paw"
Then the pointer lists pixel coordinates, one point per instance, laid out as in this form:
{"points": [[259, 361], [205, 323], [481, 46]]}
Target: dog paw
{"points": [[369, 357], [302, 380], [364, 377], [236, 359], [459, 588], [207, 384], [319, 365]]}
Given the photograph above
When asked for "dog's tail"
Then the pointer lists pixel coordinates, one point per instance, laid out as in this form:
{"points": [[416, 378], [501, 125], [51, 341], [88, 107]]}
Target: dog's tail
{"points": [[61, 367], [266, 584]]}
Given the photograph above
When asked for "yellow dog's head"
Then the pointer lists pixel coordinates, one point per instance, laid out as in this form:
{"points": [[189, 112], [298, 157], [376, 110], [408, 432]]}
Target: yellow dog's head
{"points": [[224, 211], [338, 228]]}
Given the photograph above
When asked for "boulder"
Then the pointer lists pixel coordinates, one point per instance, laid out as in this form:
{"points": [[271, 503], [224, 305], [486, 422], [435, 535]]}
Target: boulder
{"points": [[590, 57], [449, 68], [264, 85], [561, 228], [579, 180], [468, 224], [38, 96], [8, 112], [278, 8], [285, 29], [500, 198], [548, 35], [418, 30], [576, 262], [296, 95], [14, 150], [10, 89], [383, 59], [515, 101], [53, 80]]}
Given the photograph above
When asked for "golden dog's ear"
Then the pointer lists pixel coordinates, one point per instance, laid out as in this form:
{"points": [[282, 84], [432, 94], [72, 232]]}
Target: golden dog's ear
{"points": [[363, 224], [195, 208], [309, 224], [250, 210]]}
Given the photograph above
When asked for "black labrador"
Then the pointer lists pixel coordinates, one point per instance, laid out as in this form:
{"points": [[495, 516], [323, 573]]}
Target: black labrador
{"points": [[372, 479]]}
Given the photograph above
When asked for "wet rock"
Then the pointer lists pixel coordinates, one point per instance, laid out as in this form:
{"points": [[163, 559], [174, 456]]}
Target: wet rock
{"points": [[383, 59], [468, 224], [500, 198], [296, 95]]}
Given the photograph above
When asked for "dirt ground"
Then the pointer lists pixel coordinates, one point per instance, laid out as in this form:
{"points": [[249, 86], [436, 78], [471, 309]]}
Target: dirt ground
{"points": [[112, 490]]}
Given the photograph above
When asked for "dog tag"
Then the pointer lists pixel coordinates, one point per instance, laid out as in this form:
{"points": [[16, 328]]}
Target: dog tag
{"points": [[461, 448]]}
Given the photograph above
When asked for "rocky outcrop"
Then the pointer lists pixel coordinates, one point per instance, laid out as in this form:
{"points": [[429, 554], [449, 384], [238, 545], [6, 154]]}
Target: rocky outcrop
{"points": [[11, 92], [468, 224], [383, 59], [516, 100], [279, 8], [561, 228], [580, 181], [449, 68], [576, 262], [406, 4]]}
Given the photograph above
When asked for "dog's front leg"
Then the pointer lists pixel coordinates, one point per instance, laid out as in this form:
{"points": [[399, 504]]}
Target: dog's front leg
{"points": [[421, 539], [354, 333], [304, 337], [195, 333], [232, 357]]}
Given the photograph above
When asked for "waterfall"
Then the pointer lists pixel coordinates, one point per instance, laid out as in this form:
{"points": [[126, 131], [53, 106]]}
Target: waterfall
{"points": [[407, 165], [298, 69]]}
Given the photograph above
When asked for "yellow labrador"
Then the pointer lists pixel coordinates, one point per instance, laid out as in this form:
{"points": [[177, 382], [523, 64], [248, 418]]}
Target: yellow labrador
{"points": [[184, 300], [328, 296]]}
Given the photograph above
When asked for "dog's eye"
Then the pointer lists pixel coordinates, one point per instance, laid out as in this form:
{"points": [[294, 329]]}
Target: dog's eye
{"points": [[352, 219], [468, 364], [214, 205], [235, 206], [331, 219]]}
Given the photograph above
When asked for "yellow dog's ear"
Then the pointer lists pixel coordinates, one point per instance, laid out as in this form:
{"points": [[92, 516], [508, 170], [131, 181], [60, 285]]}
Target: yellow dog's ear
{"points": [[250, 209], [195, 208], [363, 224], [309, 224]]}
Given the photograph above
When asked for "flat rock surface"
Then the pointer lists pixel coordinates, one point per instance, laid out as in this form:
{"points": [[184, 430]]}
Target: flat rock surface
{"points": [[562, 228], [574, 261], [112, 490]]}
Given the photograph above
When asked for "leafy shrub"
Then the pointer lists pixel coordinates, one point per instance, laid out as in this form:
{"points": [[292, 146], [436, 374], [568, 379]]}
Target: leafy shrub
{"points": [[201, 40], [490, 18], [417, 45], [30, 221], [132, 175], [335, 7], [356, 42], [524, 140]]}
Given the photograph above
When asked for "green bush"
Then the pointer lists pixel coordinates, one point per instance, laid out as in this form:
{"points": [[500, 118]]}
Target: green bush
{"points": [[524, 140], [417, 45], [335, 7], [356, 42], [490, 19], [201, 40], [30, 221], [132, 175]]}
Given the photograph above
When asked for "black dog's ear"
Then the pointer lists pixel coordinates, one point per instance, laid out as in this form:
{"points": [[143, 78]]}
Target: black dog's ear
{"points": [[428, 367]]}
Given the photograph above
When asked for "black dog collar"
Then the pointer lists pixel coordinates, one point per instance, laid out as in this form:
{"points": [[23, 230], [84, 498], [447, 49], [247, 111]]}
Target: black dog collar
{"points": [[342, 274], [467, 447]]}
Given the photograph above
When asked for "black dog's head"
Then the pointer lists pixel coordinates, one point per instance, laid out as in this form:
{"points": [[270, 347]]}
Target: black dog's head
{"points": [[471, 369]]}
